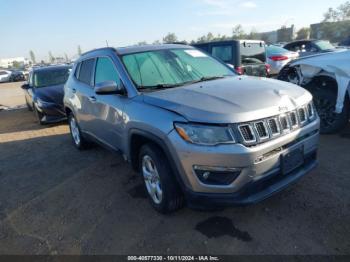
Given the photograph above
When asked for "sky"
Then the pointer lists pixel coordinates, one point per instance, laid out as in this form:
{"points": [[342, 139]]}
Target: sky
{"points": [[60, 26]]}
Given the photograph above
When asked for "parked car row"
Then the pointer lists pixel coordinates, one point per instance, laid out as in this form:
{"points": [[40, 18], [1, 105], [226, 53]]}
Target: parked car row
{"points": [[194, 129], [11, 76]]}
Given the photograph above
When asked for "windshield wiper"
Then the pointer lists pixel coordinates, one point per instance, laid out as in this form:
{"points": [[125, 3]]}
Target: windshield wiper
{"points": [[159, 86]]}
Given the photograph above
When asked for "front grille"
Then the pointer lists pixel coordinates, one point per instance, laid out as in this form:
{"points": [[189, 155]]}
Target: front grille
{"points": [[255, 132], [302, 115], [247, 133]]}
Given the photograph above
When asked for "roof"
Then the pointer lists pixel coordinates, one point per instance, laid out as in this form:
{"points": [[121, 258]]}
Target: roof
{"points": [[231, 41], [52, 67], [146, 48]]}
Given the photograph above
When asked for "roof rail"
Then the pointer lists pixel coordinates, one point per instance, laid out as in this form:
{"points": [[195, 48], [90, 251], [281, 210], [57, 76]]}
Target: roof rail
{"points": [[99, 49]]}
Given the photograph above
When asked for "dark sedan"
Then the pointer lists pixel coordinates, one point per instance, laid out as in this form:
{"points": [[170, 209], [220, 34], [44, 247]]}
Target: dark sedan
{"points": [[310, 47], [44, 93]]}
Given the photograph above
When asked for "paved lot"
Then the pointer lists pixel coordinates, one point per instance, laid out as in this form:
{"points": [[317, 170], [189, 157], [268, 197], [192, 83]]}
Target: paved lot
{"points": [[11, 95], [56, 200]]}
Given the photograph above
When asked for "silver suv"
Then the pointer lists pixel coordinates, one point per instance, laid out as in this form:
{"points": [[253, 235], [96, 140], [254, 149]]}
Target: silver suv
{"points": [[194, 129]]}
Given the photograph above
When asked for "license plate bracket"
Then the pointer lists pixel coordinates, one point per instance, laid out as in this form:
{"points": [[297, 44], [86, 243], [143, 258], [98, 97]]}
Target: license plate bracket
{"points": [[292, 159]]}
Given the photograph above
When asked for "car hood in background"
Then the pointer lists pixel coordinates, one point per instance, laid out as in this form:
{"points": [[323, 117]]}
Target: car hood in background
{"points": [[230, 100], [53, 94]]}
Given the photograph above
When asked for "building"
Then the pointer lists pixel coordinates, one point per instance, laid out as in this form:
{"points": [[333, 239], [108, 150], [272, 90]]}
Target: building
{"points": [[332, 31], [14, 62]]}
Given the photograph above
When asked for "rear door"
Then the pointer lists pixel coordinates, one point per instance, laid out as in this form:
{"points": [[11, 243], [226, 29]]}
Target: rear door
{"points": [[253, 58], [84, 94]]}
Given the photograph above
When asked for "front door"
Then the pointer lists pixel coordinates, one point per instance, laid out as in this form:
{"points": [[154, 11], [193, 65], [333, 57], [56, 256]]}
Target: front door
{"points": [[108, 124]]}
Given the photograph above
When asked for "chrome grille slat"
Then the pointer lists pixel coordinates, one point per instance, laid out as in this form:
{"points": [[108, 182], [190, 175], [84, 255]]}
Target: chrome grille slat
{"points": [[274, 127], [293, 119], [261, 130], [302, 115], [247, 133]]}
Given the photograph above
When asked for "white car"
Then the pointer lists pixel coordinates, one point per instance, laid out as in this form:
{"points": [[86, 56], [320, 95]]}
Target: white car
{"points": [[278, 57], [5, 76], [327, 77]]}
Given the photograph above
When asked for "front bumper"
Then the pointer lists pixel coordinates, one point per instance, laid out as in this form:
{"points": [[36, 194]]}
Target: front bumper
{"points": [[51, 112], [260, 177]]}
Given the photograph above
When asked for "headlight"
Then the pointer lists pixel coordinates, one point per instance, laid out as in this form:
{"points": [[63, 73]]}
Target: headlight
{"points": [[42, 103], [205, 135]]}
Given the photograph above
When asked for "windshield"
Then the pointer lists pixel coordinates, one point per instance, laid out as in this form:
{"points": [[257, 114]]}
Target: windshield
{"points": [[172, 67], [51, 77], [324, 45]]}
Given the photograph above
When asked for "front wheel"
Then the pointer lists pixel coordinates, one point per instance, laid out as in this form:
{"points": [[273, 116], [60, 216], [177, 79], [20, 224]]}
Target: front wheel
{"points": [[325, 101], [39, 115], [160, 183]]}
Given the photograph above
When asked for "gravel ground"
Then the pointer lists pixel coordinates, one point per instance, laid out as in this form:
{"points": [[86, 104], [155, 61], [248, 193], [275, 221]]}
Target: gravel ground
{"points": [[57, 200]]}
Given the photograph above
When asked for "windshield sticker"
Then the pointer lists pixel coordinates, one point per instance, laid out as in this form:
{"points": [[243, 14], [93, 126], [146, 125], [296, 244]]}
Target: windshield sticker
{"points": [[195, 53]]}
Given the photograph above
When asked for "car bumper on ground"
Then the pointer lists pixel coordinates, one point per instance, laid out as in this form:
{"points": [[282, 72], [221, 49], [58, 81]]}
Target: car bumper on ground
{"points": [[261, 171]]}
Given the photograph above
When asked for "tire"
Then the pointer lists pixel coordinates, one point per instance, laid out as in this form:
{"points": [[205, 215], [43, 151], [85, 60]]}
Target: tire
{"points": [[325, 101], [28, 106], [78, 140], [39, 115], [161, 186]]}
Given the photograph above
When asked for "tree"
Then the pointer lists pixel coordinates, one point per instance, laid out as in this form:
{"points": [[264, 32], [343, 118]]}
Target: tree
{"points": [[170, 38], [32, 56], [341, 13], [142, 43], [51, 58], [253, 35], [303, 33], [157, 42], [79, 50], [238, 32], [16, 64]]}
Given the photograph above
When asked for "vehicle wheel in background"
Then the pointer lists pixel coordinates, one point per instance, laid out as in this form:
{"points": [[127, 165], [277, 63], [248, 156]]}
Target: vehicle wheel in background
{"points": [[162, 188], [325, 101], [78, 140]]}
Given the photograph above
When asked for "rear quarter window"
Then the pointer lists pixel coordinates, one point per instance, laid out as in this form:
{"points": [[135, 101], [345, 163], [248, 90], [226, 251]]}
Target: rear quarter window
{"points": [[85, 72], [223, 52], [252, 53]]}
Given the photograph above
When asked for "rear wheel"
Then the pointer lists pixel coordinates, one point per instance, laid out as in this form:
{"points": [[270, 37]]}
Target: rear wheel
{"points": [[160, 183], [78, 140]]}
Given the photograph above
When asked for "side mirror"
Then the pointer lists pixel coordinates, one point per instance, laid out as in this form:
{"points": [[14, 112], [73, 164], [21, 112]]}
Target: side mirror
{"points": [[108, 87], [25, 86]]}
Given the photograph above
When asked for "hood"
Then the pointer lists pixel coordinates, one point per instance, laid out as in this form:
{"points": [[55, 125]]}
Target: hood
{"points": [[53, 94], [230, 100]]}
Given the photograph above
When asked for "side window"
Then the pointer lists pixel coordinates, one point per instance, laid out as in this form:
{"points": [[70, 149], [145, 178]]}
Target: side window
{"points": [[105, 71], [30, 79], [77, 69], [223, 52], [85, 71]]}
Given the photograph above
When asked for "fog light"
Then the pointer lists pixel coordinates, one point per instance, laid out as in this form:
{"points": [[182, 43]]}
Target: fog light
{"points": [[216, 175]]}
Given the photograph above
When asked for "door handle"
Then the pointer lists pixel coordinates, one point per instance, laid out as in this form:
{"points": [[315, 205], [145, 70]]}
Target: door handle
{"points": [[74, 90], [92, 99]]}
